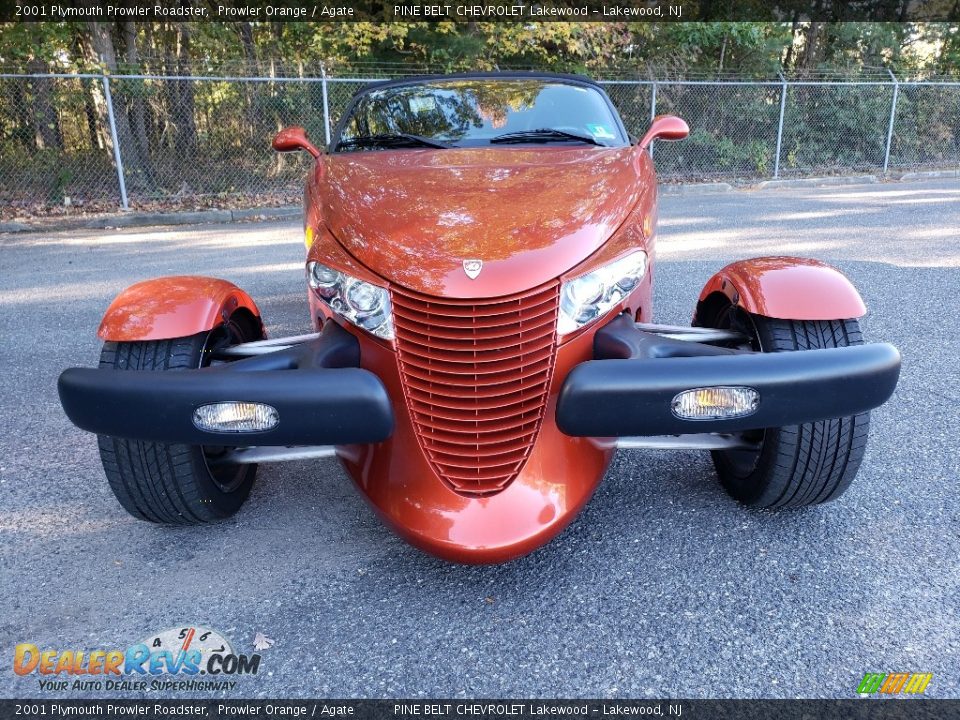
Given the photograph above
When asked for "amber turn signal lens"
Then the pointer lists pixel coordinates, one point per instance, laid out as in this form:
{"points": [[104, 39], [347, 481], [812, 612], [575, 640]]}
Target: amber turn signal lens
{"points": [[715, 403], [236, 416]]}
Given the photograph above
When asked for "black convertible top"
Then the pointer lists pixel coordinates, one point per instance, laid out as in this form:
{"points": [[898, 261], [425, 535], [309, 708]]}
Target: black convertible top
{"points": [[484, 74]]}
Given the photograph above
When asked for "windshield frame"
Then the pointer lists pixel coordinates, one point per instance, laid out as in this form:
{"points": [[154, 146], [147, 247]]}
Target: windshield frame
{"points": [[625, 140]]}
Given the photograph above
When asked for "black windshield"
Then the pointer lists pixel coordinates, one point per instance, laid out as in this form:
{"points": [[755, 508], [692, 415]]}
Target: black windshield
{"points": [[472, 112]]}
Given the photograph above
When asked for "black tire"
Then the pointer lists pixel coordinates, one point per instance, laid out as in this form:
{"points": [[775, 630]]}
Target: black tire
{"points": [[172, 483], [799, 465]]}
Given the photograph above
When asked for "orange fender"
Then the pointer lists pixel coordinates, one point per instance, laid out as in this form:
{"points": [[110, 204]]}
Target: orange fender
{"points": [[788, 288], [172, 307]]}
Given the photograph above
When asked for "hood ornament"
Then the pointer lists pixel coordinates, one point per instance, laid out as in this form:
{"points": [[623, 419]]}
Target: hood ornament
{"points": [[472, 268]]}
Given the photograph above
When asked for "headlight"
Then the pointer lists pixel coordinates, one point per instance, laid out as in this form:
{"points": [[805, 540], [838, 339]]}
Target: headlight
{"points": [[366, 306], [590, 296]]}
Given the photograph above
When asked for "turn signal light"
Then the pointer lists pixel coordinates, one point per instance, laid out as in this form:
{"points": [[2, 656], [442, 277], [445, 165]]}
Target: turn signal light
{"points": [[236, 416], [715, 403]]}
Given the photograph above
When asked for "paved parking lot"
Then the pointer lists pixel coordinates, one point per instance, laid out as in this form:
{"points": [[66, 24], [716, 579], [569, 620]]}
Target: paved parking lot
{"points": [[663, 587]]}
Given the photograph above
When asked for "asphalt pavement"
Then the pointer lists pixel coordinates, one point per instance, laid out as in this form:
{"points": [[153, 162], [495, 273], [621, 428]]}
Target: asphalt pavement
{"points": [[664, 586]]}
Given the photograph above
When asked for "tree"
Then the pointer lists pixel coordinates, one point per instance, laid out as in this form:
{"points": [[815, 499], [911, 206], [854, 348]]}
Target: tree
{"points": [[35, 46], [180, 92], [101, 48], [136, 92], [46, 122]]}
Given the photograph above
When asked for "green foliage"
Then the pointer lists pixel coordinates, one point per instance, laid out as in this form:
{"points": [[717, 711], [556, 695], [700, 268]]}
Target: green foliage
{"points": [[63, 178], [54, 138], [746, 48], [48, 43]]}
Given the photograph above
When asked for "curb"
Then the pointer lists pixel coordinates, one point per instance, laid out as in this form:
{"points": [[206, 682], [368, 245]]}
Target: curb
{"points": [[817, 182], [179, 218], [142, 219], [928, 174], [696, 188], [269, 213]]}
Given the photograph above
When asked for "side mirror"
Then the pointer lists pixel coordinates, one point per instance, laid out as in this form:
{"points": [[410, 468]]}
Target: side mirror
{"points": [[665, 127], [294, 138]]}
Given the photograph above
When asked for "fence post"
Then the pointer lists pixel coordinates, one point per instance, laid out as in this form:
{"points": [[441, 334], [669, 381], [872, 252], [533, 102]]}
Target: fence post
{"points": [[783, 107], [116, 145], [893, 114], [326, 104], [653, 109]]}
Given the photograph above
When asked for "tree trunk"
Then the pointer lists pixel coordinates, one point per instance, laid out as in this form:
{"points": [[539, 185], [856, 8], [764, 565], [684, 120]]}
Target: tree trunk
{"points": [[46, 123], [249, 49], [249, 89], [101, 44], [136, 103], [155, 105], [171, 89], [22, 131], [788, 56], [93, 123], [97, 138], [811, 45], [95, 101], [185, 139]]}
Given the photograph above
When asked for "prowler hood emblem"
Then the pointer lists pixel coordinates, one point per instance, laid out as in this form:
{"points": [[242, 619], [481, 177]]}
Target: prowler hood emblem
{"points": [[472, 268]]}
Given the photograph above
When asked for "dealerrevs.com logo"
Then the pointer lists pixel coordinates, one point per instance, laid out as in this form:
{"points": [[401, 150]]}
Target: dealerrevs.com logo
{"points": [[187, 652], [894, 683]]}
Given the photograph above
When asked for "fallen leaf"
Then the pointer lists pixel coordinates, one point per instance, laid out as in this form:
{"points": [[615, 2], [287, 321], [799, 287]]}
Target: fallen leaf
{"points": [[261, 642]]}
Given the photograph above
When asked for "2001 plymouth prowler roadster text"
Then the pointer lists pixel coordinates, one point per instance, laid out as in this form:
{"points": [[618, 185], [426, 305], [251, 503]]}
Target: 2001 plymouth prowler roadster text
{"points": [[480, 261]]}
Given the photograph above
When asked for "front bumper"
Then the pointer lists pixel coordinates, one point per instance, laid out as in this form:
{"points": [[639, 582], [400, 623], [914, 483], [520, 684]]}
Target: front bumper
{"points": [[323, 397], [628, 389], [320, 393]]}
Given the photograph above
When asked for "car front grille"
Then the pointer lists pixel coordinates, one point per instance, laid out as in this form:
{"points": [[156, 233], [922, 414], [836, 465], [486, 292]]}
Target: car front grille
{"points": [[476, 374]]}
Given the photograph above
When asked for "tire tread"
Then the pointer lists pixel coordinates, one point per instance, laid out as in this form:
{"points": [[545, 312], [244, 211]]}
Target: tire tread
{"points": [[159, 482], [806, 464]]}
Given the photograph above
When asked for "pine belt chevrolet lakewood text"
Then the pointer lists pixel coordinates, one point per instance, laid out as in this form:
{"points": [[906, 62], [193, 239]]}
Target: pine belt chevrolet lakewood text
{"points": [[479, 269]]}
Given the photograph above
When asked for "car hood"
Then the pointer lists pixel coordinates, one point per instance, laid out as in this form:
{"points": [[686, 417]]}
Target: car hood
{"points": [[529, 214]]}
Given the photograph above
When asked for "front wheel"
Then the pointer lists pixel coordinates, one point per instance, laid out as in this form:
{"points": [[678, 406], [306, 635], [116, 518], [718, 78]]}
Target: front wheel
{"points": [[174, 483], [798, 465]]}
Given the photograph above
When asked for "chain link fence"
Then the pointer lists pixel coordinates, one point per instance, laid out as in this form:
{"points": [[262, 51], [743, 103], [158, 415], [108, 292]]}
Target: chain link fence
{"points": [[96, 142]]}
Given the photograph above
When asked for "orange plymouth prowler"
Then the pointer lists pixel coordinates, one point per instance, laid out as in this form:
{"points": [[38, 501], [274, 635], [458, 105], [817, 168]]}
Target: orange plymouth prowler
{"points": [[479, 270]]}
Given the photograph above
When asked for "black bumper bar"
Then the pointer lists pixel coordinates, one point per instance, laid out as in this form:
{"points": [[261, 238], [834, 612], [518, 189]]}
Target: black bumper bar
{"points": [[321, 396], [629, 389]]}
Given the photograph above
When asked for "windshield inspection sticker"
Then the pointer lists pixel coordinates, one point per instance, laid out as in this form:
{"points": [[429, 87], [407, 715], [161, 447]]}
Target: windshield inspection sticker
{"points": [[601, 131], [422, 104]]}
